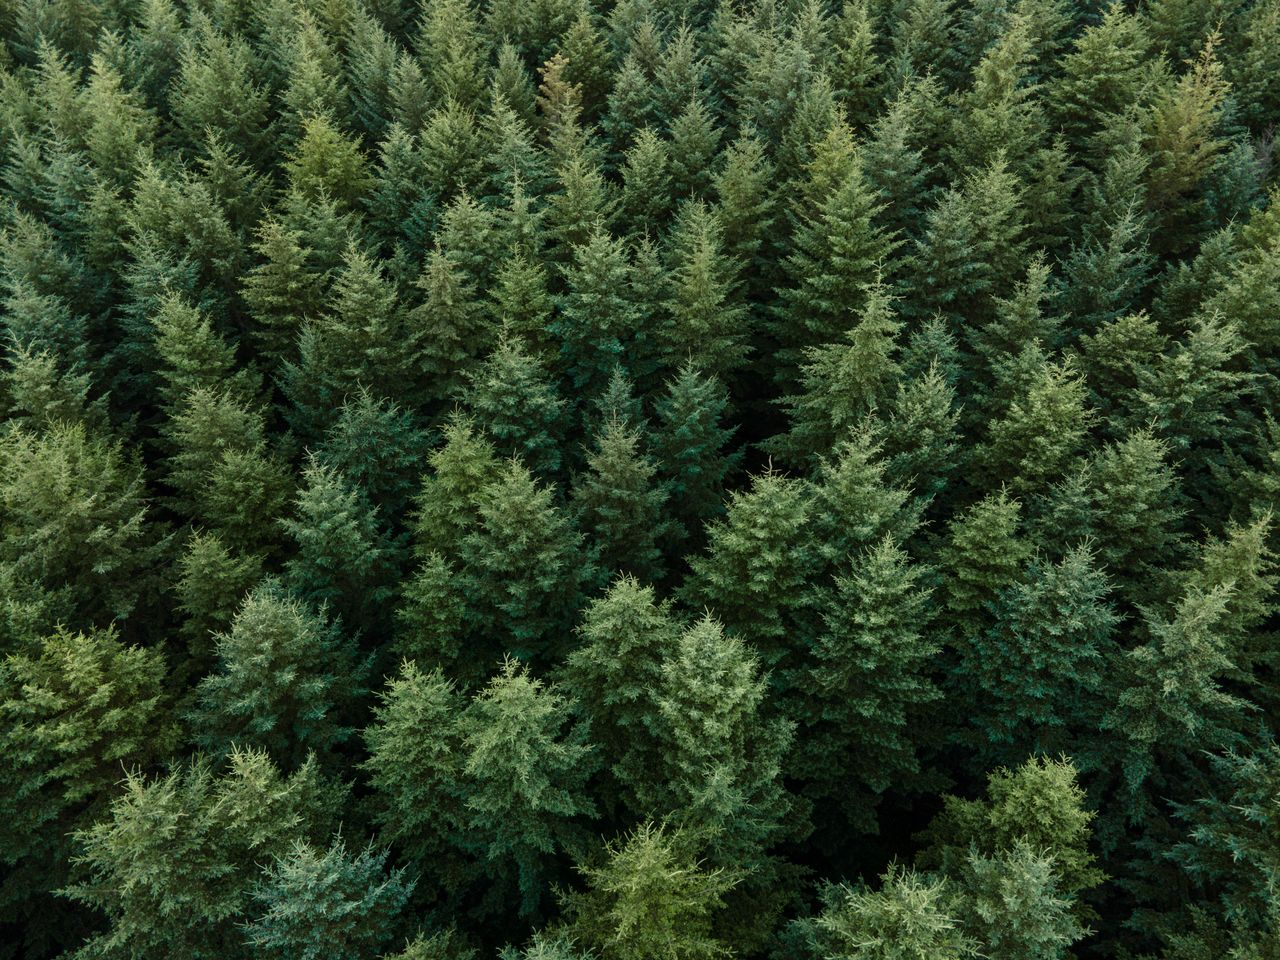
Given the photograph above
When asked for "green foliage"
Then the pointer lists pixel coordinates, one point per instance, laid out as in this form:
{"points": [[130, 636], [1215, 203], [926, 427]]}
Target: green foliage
{"points": [[177, 857], [282, 679], [326, 903], [649, 899]]}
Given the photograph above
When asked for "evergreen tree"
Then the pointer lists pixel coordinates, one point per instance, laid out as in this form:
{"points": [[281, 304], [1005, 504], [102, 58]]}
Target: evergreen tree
{"points": [[523, 567], [74, 510], [756, 568], [173, 863], [649, 899], [621, 504], [519, 408], [312, 903], [527, 763], [343, 562], [866, 683], [615, 673], [212, 581], [691, 439], [284, 682], [77, 708], [595, 318]]}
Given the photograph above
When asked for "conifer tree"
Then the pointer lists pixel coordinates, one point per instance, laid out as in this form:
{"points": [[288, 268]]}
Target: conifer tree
{"points": [[77, 708], [595, 318], [343, 562], [627, 634], [284, 682], [691, 439], [212, 581], [705, 324], [315, 903], [173, 863], [983, 556], [447, 324], [378, 447], [415, 769], [908, 918], [527, 764], [1035, 674], [523, 566], [842, 382], [757, 565], [621, 504], [866, 683], [649, 898], [513, 399], [75, 523]]}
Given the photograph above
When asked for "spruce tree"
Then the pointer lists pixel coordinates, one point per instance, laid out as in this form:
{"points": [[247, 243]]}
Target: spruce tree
{"points": [[527, 763], [649, 898], [284, 682], [173, 863], [313, 903], [78, 708], [514, 400], [620, 504], [866, 684], [595, 318]]}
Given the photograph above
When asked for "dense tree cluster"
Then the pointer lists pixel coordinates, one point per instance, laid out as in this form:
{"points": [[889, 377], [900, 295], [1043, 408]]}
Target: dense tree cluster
{"points": [[639, 479]]}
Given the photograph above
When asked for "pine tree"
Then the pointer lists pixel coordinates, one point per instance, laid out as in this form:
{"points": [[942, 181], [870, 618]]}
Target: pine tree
{"points": [[212, 581], [327, 164], [75, 524], [695, 146], [1038, 804], [78, 708], [527, 763], [173, 863], [691, 440], [513, 399], [621, 504], [908, 918], [447, 505], [839, 254], [595, 318], [448, 325], [315, 903], [284, 682], [865, 684], [378, 447], [982, 557], [649, 898], [343, 562], [192, 355], [281, 291]]}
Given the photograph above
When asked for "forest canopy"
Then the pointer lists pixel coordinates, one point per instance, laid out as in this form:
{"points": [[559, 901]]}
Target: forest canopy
{"points": [[639, 479]]}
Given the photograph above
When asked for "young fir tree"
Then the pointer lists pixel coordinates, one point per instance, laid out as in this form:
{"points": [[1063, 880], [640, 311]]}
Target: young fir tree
{"points": [[284, 682], [378, 447], [76, 524], [649, 898], [614, 675], [212, 581], [527, 764], [620, 504], [343, 563], [522, 567], [865, 684], [1034, 676], [313, 903], [1037, 803], [173, 863], [842, 382], [78, 708], [757, 567], [705, 323], [691, 440], [514, 400], [596, 318], [414, 766]]}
